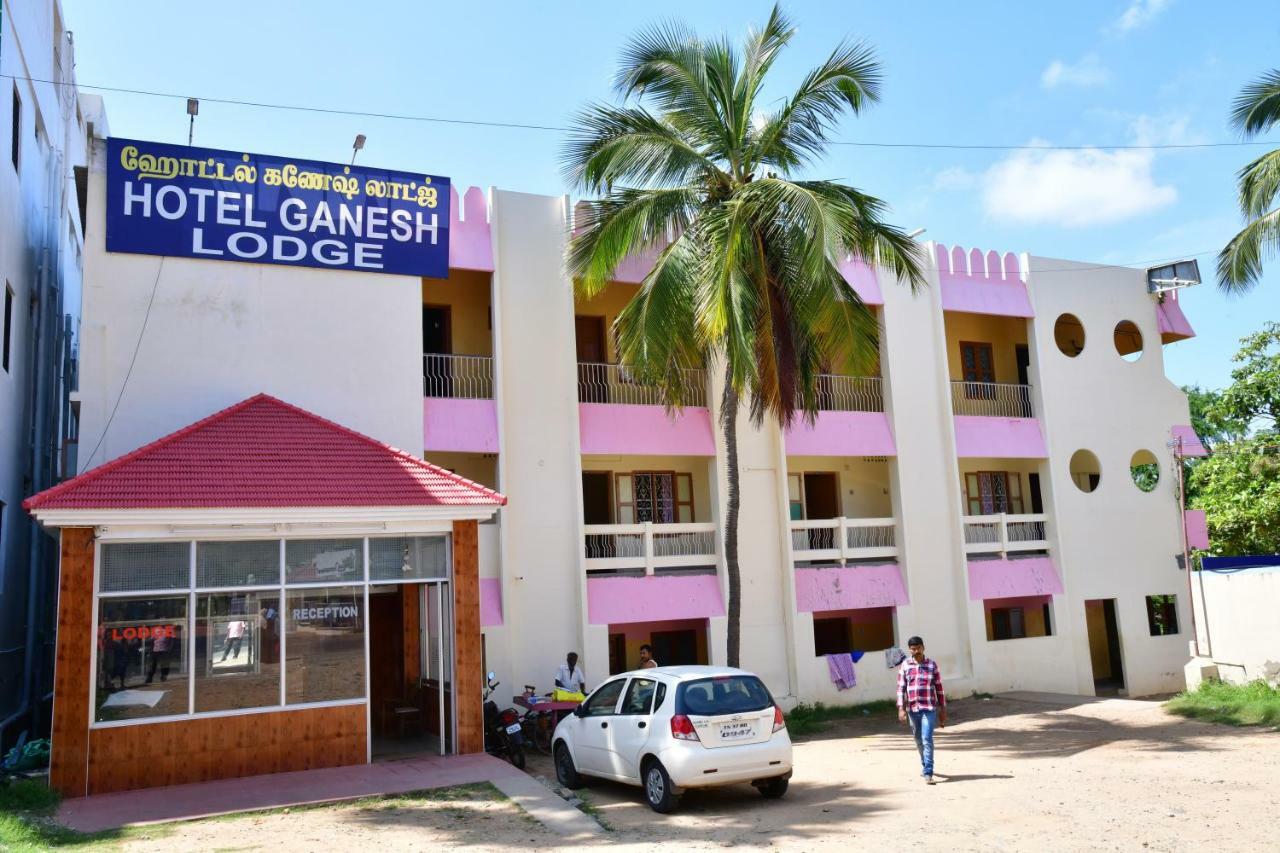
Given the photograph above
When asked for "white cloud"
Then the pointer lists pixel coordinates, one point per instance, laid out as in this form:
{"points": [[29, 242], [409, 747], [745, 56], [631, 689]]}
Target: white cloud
{"points": [[1140, 13], [1073, 189], [1087, 72]]}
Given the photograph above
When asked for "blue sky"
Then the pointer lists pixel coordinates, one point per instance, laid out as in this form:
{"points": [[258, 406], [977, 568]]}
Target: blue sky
{"points": [[1085, 73]]}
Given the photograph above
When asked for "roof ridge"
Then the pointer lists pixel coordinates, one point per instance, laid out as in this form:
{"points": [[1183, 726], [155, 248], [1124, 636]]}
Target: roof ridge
{"points": [[92, 474]]}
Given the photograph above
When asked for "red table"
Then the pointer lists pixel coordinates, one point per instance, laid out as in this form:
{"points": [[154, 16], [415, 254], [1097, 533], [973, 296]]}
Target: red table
{"points": [[542, 704]]}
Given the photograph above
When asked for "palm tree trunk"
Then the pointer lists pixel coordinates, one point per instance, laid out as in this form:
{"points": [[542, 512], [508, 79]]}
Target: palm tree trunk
{"points": [[729, 423]]}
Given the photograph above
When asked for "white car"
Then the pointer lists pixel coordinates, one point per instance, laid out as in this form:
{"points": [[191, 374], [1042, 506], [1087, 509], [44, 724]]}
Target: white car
{"points": [[676, 727]]}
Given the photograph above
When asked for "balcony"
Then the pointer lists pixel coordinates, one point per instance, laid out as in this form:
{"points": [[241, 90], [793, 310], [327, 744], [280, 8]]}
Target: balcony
{"points": [[835, 393], [991, 400], [457, 377], [612, 383], [1004, 533], [850, 422], [619, 415], [843, 539], [648, 548]]}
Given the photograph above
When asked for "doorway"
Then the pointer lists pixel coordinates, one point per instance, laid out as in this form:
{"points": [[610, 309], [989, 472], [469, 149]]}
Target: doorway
{"points": [[592, 352], [597, 508], [821, 501], [410, 670], [1104, 646], [437, 345]]}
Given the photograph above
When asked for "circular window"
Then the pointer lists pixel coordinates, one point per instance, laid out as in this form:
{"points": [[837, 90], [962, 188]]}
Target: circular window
{"points": [[1128, 341], [1145, 470], [1068, 333], [1086, 473]]}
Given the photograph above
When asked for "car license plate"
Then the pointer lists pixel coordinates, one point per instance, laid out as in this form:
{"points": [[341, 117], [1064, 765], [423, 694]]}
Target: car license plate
{"points": [[735, 731], [513, 728]]}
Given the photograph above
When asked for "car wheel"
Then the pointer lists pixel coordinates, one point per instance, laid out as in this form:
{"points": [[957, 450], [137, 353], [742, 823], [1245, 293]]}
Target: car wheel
{"points": [[658, 788], [773, 789], [566, 774]]}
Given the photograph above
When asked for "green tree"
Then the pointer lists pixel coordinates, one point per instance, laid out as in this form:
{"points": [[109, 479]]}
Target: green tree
{"points": [[692, 159], [1251, 403], [1256, 111]]}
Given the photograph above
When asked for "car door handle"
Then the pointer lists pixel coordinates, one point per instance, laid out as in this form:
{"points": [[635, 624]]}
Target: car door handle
{"points": [[641, 724], [604, 725]]}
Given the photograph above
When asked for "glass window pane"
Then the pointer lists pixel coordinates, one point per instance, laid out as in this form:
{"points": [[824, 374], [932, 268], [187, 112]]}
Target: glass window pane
{"points": [[408, 558], [325, 644], [145, 565], [639, 695], [328, 560], [624, 487], [237, 651], [142, 661], [254, 563], [684, 487]]}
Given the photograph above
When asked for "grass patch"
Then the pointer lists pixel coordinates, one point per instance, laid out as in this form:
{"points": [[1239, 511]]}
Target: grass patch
{"points": [[1254, 704], [592, 810], [808, 719]]}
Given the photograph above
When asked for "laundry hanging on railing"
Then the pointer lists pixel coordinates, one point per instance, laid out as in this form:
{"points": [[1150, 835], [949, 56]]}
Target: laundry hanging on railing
{"points": [[840, 666]]}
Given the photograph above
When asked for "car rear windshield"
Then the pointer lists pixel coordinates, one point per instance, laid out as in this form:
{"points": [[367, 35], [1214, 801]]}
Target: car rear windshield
{"points": [[724, 694]]}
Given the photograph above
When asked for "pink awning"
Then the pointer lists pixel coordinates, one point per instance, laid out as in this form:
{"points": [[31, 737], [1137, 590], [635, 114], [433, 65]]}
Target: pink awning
{"points": [[1004, 578], [1173, 324], [1197, 529], [1191, 444], [619, 600], [849, 587], [490, 602]]}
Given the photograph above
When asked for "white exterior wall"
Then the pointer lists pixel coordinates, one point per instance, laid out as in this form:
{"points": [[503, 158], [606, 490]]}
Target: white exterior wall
{"points": [[1237, 624], [219, 332], [40, 253], [1118, 541]]}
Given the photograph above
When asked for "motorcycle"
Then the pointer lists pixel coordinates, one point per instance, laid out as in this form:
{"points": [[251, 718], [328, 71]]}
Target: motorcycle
{"points": [[503, 734]]}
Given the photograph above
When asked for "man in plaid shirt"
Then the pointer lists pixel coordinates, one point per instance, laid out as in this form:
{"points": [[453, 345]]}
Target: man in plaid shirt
{"points": [[921, 701]]}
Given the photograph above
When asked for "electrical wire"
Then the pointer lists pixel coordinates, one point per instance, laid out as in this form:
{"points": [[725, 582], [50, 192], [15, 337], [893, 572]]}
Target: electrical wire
{"points": [[1171, 146]]}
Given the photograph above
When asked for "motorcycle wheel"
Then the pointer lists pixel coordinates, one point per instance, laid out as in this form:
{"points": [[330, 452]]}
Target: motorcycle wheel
{"points": [[516, 753]]}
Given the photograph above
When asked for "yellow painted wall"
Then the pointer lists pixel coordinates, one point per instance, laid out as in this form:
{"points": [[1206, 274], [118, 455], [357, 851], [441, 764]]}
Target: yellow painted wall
{"points": [[1003, 333], [1096, 620], [608, 305], [1032, 615], [864, 486], [695, 465], [466, 292], [480, 468], [870, 628], [639, 633]]}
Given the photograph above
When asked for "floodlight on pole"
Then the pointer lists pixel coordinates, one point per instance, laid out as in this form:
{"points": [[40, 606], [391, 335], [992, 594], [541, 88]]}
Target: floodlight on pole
{"points": [[911, 235], [356, 147], [193, 110], [1173, 276]]}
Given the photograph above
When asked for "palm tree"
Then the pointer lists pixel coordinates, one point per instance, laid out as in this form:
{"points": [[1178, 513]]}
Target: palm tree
{"points": [[748, 274], [1256, 110]]}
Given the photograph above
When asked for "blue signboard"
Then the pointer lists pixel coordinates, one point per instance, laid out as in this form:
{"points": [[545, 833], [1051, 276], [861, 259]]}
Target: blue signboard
{"points": [[222, 205]]}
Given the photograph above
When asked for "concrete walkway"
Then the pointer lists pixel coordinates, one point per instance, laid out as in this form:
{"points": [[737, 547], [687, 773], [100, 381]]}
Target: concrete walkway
{"points": [[334, 784]]}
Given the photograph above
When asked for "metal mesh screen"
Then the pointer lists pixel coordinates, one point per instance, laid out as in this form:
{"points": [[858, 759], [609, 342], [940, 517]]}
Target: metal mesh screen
{"points": [[408, 558], [145, 565], [249, 563], [327, 560]]}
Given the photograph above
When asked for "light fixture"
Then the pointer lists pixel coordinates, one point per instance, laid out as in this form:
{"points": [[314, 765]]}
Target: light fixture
{"points": [[911, 235], [356, 147], [193, 110]]}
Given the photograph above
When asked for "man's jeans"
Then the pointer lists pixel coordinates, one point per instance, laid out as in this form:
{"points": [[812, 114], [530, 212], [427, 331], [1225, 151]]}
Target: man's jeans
{"points": [[922, 725]]}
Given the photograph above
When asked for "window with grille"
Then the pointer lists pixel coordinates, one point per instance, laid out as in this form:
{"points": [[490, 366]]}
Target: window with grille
{"points": [[1162, 614], [662, 497], [408, 558], [252, 563], [993, 492]]}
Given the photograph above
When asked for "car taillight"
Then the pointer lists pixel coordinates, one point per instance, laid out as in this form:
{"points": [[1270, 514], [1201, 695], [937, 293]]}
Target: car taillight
{"points": [[779, 721], [508, 716], [682, 728]]}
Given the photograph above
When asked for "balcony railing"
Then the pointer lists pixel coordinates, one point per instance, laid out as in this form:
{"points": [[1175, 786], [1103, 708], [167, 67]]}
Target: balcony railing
{"points": [[611, 383], [991, 399], [843, 539], [1003, 533], [848, 393], [468, 377], [612, 548]]}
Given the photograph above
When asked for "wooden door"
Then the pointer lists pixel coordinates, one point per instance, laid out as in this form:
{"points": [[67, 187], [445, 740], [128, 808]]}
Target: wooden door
{"points": [[597, 508], [821, 501], [675, 648], [978, 368]]}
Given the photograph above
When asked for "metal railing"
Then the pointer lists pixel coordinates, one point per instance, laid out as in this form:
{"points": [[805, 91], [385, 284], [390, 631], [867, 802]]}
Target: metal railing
{"points": [[466, 377], [848, 393], [843, 539], [991, 399], [612, 383], [649, 546], [1002, 533]]}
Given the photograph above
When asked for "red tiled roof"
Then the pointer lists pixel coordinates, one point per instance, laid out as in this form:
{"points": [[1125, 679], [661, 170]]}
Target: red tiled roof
{"points": [[263, 452]]}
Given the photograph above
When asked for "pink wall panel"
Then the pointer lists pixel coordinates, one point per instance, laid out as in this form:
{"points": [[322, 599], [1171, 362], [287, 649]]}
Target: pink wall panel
{"points": [[490, 602], [849, 587], [1197, 529], [1026, 576], [1191, 444], [614, 428], [981, 284], [999, 438], [614, 601], [469, 426], [862, 276], [470, 240], [842, 434]]}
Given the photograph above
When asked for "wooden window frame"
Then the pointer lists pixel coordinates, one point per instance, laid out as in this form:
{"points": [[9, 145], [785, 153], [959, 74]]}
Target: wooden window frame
{"points": [[1013, 496], [676, 503], [991, 358]]}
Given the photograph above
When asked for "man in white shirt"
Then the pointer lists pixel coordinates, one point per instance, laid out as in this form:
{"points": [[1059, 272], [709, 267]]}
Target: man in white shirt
{"points": [[569, 676], [235, 636]]}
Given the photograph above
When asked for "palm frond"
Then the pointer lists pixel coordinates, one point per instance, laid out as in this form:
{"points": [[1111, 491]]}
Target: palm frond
{"points": [[1240, 263], [1259, 183], [1257, 107], [626, 222], [618, 145]]}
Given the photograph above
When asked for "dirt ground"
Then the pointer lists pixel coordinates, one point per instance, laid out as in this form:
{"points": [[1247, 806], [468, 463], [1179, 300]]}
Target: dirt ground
{"points": [[1013, 775]]}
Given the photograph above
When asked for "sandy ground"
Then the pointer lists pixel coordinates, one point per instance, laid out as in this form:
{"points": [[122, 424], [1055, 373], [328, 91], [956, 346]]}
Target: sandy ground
{"points": [[1013, 775]]}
